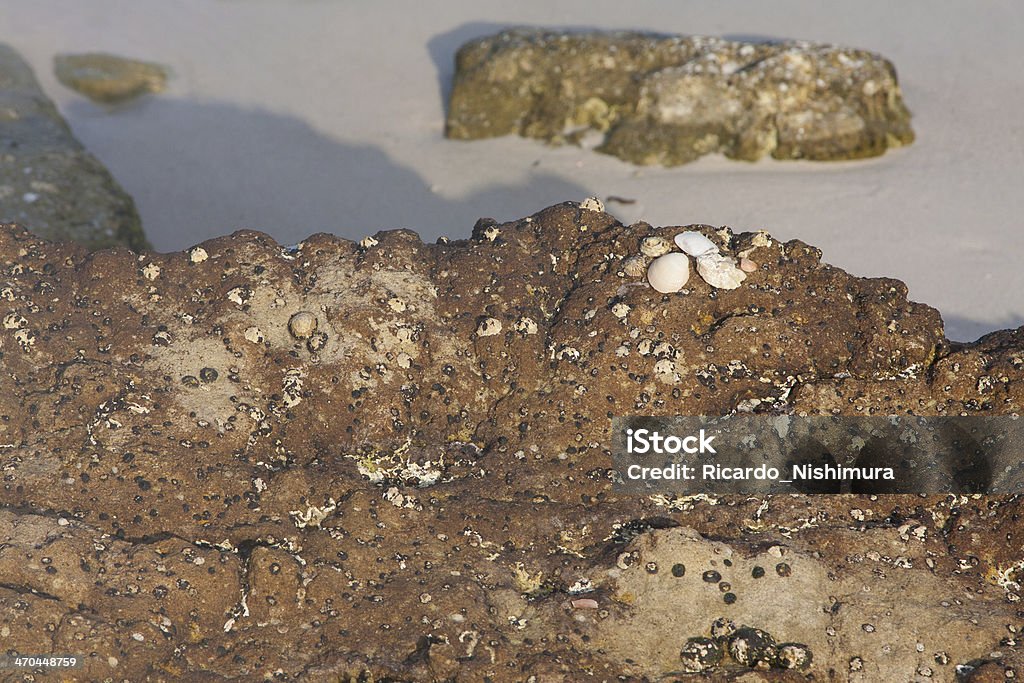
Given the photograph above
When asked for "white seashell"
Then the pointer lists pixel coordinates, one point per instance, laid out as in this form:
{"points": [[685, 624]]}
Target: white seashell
{"points": [[635, 265], [669, 273], [720, 271], [695, 243], [592, 204], [654, 246]]}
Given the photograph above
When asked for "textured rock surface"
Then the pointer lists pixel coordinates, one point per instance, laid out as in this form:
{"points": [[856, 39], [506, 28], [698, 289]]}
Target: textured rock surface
{"points": [[109, 79], [47, 180], [670, 99], [418, 489]]}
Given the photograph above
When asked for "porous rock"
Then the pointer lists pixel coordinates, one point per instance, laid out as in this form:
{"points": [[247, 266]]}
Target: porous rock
{"points": [[668, 100], [417, 501], [47, 179]]}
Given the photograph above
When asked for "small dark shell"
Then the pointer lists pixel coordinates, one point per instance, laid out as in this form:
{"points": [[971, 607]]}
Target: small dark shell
{"points": [[751, 646], [722, 628], [700, 654], [793, 656]]}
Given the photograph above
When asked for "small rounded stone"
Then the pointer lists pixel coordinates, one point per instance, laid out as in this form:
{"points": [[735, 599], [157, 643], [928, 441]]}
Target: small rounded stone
{"points": [[729, 598], [757, 572], [678, 570], [302, 325]]}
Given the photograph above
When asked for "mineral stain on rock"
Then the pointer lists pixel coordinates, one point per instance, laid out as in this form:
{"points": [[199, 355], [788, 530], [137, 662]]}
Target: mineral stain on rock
{"points": [[109, 79], [668, 100]]}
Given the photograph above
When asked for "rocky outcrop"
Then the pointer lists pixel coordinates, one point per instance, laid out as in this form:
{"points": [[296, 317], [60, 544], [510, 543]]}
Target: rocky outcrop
{"points": [[387, 460], [670, 99], [47, 179], [109, 79]]}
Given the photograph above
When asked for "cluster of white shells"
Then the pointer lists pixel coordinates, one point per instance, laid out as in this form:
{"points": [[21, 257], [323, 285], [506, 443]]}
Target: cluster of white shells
{"points": [[668, 271]]}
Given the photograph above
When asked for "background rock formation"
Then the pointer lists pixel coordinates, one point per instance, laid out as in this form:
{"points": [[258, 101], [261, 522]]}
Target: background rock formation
{"points": [[47, 179], [418, 490], [671, 99], [109, 79]]}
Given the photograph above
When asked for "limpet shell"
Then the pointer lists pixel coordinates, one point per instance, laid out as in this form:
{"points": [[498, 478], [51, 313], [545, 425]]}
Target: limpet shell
{"points": [[302, 325], [669, 273], [720, 271], [635, 265], [654, 246], [695, 243]]}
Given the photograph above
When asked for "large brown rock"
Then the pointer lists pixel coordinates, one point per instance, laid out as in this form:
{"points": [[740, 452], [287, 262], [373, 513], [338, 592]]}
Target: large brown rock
{"points": [[417, 489], [656, 99]]}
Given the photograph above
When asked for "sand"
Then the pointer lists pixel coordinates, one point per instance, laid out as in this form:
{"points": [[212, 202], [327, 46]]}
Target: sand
{"points": [[306, 116]]}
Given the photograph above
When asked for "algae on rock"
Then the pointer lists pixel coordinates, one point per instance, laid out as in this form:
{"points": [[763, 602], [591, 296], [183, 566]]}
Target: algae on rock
{"points": [[671, 99]]}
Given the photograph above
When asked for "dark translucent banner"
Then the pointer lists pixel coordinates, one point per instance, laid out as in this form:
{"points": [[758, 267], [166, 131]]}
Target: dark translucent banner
{"points": [[758, 454]]}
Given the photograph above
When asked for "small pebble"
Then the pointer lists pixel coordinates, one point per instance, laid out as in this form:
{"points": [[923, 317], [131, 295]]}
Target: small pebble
{"points": [[584, 603], [757, 572], [747, 266], [678, 570]]}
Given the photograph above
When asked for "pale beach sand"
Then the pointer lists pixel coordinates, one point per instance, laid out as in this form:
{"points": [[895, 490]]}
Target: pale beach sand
{"points": [[305, 116]]}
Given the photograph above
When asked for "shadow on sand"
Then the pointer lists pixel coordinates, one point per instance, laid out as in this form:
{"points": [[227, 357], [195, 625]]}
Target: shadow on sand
{"points": [[197, 170]]}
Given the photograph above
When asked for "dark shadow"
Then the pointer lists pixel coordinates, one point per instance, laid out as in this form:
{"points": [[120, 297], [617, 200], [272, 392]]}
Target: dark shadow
{"points": [[443, 46], [971, 466], [197, 170], [813, 454], [891, 452], [755, 38], [966, 330]]}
